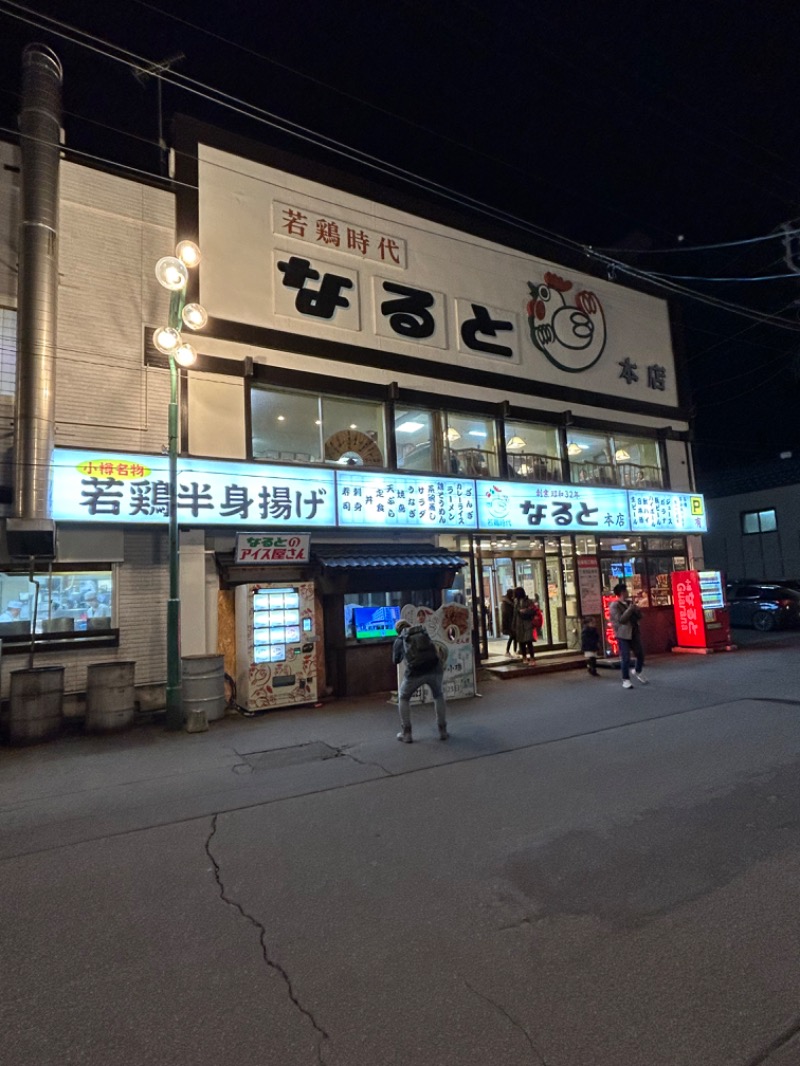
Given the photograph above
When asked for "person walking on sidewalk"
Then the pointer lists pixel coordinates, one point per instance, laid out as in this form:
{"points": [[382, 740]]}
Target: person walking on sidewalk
{"points": [[624, 616], [590, 644], [423, 667]]}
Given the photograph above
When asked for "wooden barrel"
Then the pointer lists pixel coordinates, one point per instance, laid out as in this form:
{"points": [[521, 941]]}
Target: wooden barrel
{"points": [[203, 685], [110, 696], [36, 704]]}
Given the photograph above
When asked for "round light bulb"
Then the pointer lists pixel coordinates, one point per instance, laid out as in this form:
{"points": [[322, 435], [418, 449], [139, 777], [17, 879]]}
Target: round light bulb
{"points": [[185, 355], [188, 253], [171, 273], [194, 316], [166, 339]]}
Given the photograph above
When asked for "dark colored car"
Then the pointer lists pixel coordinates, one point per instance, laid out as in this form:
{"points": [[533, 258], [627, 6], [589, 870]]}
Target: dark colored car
{"points": [[763, 607]]}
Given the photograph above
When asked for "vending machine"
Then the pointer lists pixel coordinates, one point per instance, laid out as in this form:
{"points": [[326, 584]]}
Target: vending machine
{"points": [[702, 621], [276, 662]]}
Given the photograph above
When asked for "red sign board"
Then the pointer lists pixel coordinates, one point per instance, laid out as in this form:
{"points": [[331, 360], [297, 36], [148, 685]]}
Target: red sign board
{"points": [[689, 618]]}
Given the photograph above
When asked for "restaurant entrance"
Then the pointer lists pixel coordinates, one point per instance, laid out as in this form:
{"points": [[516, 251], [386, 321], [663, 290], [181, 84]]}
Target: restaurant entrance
{"points": [[544, 567]]}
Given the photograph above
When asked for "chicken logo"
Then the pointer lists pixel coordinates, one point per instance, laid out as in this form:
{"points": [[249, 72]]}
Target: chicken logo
{"points": [[569, 330]]}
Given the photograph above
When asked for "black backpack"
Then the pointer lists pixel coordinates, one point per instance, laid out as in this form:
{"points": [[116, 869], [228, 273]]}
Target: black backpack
{"points": [[420, 651]]}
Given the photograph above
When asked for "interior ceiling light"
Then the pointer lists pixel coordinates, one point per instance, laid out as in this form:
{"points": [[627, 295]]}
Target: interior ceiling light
{"points": [[622, 456], [573, 448], [515, 444], [409, 427], [453, 435]]}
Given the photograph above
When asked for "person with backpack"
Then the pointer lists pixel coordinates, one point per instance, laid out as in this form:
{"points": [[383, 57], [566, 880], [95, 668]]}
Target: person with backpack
{"points": [[423, 667]]}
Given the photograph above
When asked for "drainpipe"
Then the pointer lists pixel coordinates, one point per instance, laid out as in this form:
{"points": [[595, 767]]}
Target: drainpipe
{"points": [[34, 424]]}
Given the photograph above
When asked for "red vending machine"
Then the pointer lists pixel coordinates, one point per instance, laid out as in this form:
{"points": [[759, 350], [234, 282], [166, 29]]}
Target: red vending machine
{"points": [[702, 622]]}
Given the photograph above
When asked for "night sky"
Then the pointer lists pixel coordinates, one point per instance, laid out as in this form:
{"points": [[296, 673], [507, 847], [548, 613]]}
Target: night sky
{"points": [[651, 129]]}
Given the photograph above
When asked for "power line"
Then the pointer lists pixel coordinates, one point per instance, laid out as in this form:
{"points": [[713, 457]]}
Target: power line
{"points": [[232, 103]]}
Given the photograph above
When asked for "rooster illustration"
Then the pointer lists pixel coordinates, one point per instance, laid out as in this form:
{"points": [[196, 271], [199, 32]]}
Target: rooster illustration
{"points": [[571, 335]]}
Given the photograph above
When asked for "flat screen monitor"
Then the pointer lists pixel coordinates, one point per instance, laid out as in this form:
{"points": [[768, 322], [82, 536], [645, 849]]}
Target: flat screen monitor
{"points": [[375, 623]]}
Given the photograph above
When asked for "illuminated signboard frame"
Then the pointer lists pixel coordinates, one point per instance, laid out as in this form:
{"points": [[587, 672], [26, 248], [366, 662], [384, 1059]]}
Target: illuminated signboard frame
{"points": [[112, 488]]}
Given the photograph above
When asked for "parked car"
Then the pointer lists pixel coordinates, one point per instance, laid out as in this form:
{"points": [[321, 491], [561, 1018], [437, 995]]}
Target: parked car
{"points": [[763, 607]]}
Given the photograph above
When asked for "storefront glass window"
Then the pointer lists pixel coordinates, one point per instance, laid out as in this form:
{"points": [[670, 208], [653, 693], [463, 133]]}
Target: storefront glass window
{"points": [[305, 428], [533, 452], [413, 429], [613, 459], [637, 461], [469, 445], [68, 602]]}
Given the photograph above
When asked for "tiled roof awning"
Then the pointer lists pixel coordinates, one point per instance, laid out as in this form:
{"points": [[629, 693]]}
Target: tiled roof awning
{"points": [[378, 559]]}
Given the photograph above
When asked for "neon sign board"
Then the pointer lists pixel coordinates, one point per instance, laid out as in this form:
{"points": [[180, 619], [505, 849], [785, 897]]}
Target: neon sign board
{"points": [[100, 488]]}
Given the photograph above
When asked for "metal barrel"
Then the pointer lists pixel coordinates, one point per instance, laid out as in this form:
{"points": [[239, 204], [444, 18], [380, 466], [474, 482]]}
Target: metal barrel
{"points": [[36, 704], [110, 696], [203, 685]]}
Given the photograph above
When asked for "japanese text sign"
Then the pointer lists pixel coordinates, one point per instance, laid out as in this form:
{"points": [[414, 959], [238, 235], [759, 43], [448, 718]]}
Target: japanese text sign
{"points": [[689, 620], [552, 508], [400, 500], [90, 486], [134, 490], [272, 547], [679, 512]]}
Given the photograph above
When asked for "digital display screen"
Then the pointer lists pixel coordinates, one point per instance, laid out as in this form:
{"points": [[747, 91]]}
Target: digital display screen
{"points": [[306, 625], [375, 623], [711, 589]]}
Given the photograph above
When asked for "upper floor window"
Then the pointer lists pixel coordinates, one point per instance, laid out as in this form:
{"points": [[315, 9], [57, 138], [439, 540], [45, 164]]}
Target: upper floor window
{"points": [[759, 521], [447, 442], [306, 428], [613, 459], [533, 452], [8, 351]]}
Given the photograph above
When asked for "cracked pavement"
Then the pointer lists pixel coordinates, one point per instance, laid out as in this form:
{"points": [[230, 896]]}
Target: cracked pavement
{"points": [[580, 877]]}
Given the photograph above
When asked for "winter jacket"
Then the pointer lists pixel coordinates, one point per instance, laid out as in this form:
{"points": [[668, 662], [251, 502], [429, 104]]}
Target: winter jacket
{"points": [[506, 616], [624, 618], [525, 612]]}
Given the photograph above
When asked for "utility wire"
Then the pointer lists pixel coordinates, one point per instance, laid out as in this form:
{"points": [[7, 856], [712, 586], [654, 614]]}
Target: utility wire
{"points": [[700, 247], [265, 117]]}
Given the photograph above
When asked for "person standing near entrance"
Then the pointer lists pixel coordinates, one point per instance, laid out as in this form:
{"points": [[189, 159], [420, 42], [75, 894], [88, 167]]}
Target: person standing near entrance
{"points": [[423, 667], [624, 616], [507, 619], [590, 645], [523, 624]]}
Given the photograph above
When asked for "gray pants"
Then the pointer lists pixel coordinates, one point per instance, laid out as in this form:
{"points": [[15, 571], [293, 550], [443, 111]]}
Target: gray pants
{"points": [[410, 684]]}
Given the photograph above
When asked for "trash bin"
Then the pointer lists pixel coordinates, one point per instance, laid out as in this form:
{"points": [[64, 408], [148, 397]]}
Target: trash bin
{"points": [[110, 696], [203, 686]]}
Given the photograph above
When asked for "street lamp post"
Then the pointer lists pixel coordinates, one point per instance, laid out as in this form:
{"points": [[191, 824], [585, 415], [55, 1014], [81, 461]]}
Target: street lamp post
{"points": [[173, 274]]}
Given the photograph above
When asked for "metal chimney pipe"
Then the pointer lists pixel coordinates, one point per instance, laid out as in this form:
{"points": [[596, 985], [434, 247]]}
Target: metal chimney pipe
{"points": [[37, 303]]}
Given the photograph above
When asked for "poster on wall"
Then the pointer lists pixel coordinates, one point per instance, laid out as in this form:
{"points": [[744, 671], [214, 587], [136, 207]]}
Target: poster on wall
{"points": [[450, 628], [589, 586]]}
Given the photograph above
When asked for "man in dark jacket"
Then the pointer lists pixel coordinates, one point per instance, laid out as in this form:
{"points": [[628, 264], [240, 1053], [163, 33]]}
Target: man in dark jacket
{"points": [[416, 675], [624, 616]]}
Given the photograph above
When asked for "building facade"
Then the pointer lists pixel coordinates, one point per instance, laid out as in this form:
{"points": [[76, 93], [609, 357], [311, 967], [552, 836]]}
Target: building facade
{"points": [[442, 411]]}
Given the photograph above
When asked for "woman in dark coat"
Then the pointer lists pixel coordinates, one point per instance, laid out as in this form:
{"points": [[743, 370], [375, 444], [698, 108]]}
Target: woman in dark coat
{"points": [[524, 611], [507, 619]]}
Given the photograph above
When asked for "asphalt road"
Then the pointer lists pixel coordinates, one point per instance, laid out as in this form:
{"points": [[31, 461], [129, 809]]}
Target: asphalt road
{"points": [[581, 876]]}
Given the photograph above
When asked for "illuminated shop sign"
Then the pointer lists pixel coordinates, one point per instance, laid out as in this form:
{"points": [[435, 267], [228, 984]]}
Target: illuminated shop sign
{"points": [[403, 501], [564, 508], [90, 486], [100, 488], [667, 512]]}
